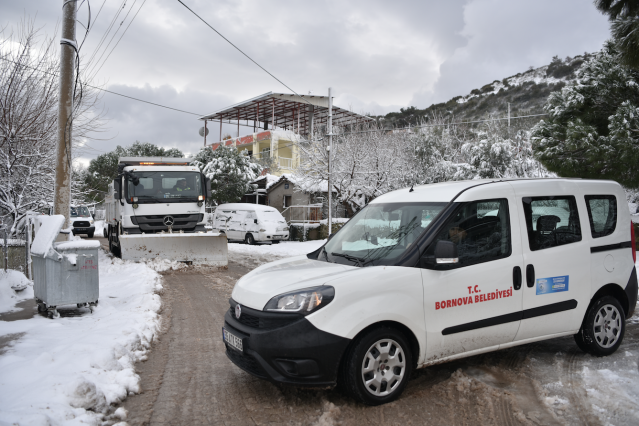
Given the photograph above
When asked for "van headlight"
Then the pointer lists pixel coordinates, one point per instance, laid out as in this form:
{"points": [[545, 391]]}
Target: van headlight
{"points": [[303, 301]]}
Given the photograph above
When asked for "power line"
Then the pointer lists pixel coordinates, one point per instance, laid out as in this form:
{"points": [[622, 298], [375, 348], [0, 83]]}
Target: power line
{"points": [[108, 91], [106, 33], [242, 52], [118, 42]]}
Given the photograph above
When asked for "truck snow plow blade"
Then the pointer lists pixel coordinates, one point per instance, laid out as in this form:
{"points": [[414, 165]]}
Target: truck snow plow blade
{"points": [[199, 248]]}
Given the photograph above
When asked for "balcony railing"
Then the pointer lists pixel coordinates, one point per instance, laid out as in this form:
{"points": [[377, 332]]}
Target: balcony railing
{"points": [[286, 163]]}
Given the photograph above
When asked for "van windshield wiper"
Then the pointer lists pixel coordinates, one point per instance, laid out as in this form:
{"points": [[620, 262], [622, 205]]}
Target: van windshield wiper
{"points": [[359, 260]]}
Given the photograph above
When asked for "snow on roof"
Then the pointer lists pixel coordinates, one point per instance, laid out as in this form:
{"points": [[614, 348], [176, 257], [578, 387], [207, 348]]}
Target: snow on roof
{"points": [[50, 227], [245, 206]]}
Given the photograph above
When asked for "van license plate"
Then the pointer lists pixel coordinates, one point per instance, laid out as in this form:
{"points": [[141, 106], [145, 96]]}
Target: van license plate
{"points": [[232, 340]]}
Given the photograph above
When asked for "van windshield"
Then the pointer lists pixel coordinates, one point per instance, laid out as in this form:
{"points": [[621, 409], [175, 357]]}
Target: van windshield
{"points": [[80, 212], [380, 233]]}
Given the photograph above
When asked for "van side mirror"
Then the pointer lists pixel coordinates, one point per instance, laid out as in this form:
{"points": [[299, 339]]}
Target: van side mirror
{"points": [[446, 252], [116, 189]]}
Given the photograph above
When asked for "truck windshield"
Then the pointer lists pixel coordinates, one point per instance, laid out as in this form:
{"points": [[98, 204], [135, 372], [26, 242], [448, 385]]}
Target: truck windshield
{"points": [[380, 233], [80, 212], [155, 187]]}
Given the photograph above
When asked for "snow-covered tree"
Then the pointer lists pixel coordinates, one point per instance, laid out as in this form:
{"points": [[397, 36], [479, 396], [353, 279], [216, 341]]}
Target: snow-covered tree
{"points": [[230, 171], [28, 121], [592, 131]]}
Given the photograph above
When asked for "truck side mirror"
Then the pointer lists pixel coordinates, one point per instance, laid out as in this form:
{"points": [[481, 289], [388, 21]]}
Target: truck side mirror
{"points": [[446, 252], [208, 188], [116, 189]]}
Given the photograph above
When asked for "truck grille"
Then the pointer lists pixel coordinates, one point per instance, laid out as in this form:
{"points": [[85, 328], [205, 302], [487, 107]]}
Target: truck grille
{"points": [[81, 224], [153, 223], [245, 362]]}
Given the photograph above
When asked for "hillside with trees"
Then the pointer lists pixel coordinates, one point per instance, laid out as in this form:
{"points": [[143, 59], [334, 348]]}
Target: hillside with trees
{"points": [[527, 93]]}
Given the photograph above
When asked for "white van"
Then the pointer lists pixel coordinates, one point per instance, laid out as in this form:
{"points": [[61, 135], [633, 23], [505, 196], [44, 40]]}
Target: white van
{"points": [[81, 221], [441, 272], [251, 223]]}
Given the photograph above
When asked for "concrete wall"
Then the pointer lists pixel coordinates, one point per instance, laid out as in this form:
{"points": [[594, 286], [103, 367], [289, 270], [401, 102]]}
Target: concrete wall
{"points": [[276, 196]]}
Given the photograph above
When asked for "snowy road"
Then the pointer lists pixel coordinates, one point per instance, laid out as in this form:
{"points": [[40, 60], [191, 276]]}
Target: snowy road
{"points": [[187, 378]]}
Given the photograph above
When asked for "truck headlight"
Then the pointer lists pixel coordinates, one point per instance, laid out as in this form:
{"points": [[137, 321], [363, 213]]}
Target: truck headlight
{"points": [[303, 301]]}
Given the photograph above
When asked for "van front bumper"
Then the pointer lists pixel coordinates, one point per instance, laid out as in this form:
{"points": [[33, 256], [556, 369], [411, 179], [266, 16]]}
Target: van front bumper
{"points": [[284, 348]]}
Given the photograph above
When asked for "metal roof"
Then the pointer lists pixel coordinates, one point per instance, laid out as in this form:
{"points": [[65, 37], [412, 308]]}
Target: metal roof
{"points": [[286, 111]]}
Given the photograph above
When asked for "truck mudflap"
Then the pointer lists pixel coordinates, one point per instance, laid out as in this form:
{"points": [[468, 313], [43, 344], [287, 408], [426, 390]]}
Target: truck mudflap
{"points": [[198, 248]]}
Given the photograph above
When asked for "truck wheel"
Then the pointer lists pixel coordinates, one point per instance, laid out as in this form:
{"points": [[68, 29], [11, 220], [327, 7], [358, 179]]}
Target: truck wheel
{"points": [[105, 233], [603, 328], [249, 239], [90, 235], [377, 366]]}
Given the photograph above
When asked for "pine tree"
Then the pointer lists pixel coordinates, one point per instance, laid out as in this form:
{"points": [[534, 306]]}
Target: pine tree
{"points": [[624, 16], [592, 131], [230, 172]]}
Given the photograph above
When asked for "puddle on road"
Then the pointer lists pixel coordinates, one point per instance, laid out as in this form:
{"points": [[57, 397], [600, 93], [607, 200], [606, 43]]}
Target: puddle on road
{"points": [[28, 310]]}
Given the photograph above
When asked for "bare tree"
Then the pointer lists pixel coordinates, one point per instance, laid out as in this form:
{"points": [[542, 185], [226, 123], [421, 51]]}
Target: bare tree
{"points": [[29, 91]]}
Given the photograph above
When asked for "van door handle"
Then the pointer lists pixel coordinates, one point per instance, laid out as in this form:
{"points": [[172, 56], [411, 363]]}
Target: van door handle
{"points": [[516, 277], [530, 276]]}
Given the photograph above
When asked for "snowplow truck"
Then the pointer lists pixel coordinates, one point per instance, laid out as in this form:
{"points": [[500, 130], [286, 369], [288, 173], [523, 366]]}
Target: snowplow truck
{"points": [[155, 208]]}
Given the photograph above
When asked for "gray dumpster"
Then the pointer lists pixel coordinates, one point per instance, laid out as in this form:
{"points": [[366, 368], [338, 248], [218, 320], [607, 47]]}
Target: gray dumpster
{"points": [[64, 273]]}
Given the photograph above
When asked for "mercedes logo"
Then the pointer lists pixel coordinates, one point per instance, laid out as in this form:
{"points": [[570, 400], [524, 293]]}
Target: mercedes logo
{"points": [[168, 220], [238, 311]]}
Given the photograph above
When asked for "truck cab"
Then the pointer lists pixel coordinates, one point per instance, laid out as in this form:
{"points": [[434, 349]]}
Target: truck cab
{"points": [[156, 195]]}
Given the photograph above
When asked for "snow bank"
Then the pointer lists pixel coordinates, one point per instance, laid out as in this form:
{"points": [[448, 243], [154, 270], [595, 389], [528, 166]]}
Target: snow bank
{"points": [[11, 281], [71, 369], [78, 244], [47, 233]]}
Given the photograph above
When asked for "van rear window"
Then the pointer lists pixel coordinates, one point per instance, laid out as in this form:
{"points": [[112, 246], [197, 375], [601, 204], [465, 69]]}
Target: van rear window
{"points": [[551, 221], [602, 214]]}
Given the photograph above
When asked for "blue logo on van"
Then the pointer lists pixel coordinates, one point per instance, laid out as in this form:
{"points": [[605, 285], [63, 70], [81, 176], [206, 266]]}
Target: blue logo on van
{"points": [[552, 284]]}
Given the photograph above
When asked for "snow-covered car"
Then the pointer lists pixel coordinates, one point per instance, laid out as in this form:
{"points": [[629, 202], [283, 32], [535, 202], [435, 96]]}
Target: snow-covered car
{"points": [[436, 273], [251, 223], [82, 221]]}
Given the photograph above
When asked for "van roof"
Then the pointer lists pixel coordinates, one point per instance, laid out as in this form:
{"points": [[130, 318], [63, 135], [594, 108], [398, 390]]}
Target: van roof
{"points": [[246, 206], [447, 191]]}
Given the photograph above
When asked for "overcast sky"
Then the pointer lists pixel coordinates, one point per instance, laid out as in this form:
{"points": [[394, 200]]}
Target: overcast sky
{"points": [[377, 55]]}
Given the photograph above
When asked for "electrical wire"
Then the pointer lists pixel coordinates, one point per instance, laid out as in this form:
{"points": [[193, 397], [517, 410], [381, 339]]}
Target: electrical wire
{"points": [[242, 52], [110, 41], [118, 42], [109, 91], [106, 33]]}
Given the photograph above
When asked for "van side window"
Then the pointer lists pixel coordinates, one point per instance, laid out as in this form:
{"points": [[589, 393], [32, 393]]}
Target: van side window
{"points": [[602, 214], [551, 221], [481, 231]]}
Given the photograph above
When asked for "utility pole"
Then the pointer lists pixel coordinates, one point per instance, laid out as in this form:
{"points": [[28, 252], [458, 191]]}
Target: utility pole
{"points": [[62, 190], [329, 127]]}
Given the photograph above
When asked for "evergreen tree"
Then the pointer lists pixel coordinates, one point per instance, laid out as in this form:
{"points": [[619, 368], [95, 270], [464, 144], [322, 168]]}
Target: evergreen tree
{"points": [[103, 169], [230, 172], [592, 129], [624, 16]]}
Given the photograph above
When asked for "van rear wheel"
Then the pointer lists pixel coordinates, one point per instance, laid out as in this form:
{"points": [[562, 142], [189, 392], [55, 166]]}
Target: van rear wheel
{"points": [[377, 366], [603, 328]]}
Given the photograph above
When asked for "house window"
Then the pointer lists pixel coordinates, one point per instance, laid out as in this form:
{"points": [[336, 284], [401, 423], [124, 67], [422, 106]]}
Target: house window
{"points": [[287, 201], [286, 186]]}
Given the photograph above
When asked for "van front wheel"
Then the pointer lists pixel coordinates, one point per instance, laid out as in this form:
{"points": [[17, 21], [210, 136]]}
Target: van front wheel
{"points": [[377, 367], [249, 239], [603, 328]]}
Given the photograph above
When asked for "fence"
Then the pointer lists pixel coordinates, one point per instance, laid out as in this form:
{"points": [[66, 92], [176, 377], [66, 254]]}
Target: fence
{"points": [[303, 214], [15, 252]]}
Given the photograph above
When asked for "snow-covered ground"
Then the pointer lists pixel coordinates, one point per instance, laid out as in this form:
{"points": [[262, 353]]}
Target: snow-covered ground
{"points": [[69, 370]]}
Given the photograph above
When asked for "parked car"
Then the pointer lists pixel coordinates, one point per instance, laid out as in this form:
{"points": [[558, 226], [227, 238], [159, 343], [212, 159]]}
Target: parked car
{"points": [[82, 221], [436, 273], [251, 223]]}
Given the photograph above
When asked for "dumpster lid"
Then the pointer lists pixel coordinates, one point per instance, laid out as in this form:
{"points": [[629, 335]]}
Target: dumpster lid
{"points": [[73, 245], [50, 227]]}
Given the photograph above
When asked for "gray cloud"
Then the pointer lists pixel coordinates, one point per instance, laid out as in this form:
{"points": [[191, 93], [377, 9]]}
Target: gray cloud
{"points": [[377, 55]]}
